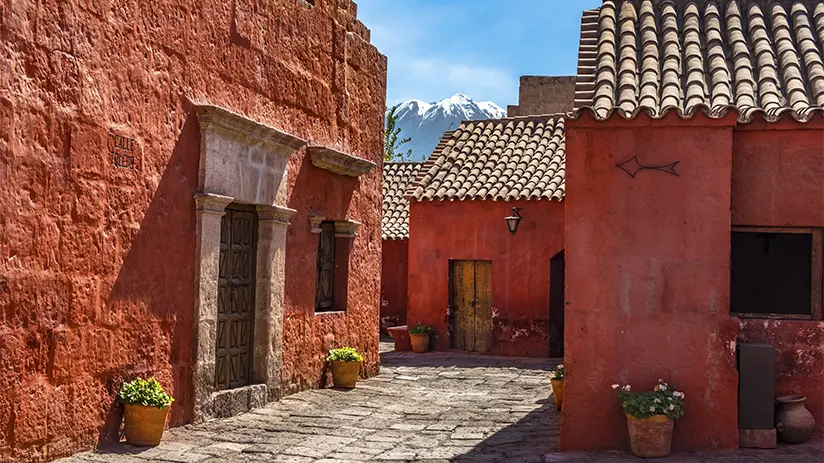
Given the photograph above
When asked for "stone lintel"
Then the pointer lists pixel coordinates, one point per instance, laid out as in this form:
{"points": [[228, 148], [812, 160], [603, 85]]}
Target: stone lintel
{"points": [[216, 119], [346, 229], [339, 163], [276, 214], [211, 203], [314, 223]]}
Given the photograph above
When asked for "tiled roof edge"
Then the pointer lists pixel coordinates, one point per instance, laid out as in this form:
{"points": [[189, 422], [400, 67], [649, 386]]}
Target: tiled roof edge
{"points": [[428, 164], [718, 112]]}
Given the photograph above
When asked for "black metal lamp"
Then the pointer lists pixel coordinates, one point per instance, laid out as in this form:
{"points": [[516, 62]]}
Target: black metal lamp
{"points": [[514, 220]]}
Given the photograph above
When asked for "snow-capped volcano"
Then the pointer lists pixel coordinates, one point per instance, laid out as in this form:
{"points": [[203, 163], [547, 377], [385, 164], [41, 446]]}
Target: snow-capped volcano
{"points": [[425, 122]]}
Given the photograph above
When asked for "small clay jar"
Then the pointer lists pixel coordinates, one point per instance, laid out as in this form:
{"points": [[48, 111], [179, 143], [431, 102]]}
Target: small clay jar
{"points": [[794, 423]]}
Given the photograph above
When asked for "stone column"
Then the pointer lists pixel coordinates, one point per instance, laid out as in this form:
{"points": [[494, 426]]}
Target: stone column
{"points": [[273, 222], [210, 211]]}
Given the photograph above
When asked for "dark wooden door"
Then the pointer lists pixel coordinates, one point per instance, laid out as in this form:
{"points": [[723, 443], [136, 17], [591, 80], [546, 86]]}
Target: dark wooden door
{"points": [[472, 302], [556, 305], [236, 298], [325, 297]]}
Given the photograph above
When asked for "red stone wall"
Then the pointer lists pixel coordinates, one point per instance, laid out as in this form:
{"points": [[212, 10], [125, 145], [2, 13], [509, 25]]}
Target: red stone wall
{"points": [[475, 230], [97, 261], [799, 358], [394, 274], [647, 261]]}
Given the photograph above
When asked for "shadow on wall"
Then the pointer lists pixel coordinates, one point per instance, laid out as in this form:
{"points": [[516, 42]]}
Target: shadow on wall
{"points": [[314, 192], [150, 307]]}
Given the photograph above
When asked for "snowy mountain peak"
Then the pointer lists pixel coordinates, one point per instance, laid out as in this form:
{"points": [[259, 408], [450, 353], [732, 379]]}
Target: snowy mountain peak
{"points": [[425, 122]]}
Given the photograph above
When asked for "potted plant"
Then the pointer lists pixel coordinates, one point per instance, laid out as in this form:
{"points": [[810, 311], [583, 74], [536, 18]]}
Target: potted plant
{"points": [[650, 417], [419, 337], [557, 380], [345, 363], [146, 407]]}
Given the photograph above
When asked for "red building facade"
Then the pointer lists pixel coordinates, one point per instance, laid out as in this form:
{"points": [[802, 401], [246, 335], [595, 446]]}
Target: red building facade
{"points": [[134, 157], [694, 206], [472, 181], [395, 234]]}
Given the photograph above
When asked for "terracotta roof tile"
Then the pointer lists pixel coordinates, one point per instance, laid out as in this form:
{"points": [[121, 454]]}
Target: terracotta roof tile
{"points": [[396, 177], [498, 159], [655, 56]]}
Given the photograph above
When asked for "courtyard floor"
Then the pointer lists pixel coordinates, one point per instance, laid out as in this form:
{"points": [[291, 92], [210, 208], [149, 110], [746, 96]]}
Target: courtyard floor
{"points": [[435, 407]]}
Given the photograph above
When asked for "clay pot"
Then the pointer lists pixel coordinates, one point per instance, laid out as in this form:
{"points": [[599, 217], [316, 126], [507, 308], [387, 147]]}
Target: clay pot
{"points": [[557, 392], [794, 423], [420, 343], [345, 374], [650, 437], [144, 425]]}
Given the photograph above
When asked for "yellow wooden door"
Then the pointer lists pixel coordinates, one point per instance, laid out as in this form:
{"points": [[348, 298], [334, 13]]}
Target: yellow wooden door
{"points": [[483, 306], [463, 297], [472, 299]]}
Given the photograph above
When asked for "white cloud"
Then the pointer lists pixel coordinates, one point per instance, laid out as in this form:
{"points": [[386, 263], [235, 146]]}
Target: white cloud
{"points": [[432, 79]]}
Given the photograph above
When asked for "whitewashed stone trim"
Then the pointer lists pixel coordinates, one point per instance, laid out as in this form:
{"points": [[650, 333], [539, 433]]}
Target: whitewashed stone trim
{"points": [[338, 162]]}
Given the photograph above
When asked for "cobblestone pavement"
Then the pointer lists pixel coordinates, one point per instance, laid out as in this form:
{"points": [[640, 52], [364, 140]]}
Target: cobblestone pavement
{"points": [[435, 407]]}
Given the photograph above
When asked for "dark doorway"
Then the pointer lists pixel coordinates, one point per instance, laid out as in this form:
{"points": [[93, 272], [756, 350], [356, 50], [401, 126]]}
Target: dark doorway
{"points": [[236, 297], [471, 294], [556, 305]]}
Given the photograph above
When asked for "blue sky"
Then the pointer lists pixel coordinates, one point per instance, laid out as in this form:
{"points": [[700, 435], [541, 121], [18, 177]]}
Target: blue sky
{"points": [[437, 48]]}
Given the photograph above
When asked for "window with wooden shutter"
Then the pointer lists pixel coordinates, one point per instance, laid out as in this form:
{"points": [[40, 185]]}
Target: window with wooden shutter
{"points": [[325, 293]]}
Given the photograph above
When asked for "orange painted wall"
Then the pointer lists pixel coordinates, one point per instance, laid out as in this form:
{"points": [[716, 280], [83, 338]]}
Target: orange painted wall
{"points": [[394, 276], [441, 231], [647, 263], [97, 262]]}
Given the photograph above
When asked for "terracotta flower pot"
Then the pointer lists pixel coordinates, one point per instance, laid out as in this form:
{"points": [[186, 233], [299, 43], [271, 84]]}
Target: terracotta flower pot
{"points": [[794, 423], [420, 342], [144, 425], [345, 374], [650, 437], [558, 392]]}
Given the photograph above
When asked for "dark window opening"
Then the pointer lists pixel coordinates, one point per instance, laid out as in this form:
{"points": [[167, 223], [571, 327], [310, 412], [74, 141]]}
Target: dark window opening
{"points": [[332, 270], [772, 274]]}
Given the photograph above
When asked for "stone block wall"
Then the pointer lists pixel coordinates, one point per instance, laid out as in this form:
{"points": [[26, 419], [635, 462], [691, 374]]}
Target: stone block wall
{"points": [[544, 95], [99, 155]]}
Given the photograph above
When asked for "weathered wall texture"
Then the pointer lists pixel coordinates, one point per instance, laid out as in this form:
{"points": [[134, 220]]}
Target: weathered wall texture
{"points": [[647, 262], [778, 174], [543, 95], [394, 271], [97, 261], [778, 180], [476, 230], [799, 358]]}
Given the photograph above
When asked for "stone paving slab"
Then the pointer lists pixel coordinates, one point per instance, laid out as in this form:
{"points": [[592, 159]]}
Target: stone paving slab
{"points": [[435, 407]]}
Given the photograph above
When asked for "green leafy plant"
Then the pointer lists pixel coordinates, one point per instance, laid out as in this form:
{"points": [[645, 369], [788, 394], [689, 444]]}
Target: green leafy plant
{"points": [[558, 374], [392, 142], [146, 392], [664, 399], [344, 354], [420, 328]]}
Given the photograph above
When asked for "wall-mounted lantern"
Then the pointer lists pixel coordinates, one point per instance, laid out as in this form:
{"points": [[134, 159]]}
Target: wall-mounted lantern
{"points": [[514, 220]]}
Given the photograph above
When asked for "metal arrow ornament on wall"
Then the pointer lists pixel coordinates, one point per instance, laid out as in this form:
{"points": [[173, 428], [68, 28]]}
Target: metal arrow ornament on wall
{"points": [[632, 167]]}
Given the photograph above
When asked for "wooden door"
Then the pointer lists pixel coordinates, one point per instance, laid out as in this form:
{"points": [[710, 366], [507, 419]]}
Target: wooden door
{"points": [[236, 298], [472, 303], [325, 292]]}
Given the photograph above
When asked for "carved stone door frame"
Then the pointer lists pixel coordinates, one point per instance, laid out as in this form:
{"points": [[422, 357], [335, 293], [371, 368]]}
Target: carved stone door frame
{"points": [[241, 161]]}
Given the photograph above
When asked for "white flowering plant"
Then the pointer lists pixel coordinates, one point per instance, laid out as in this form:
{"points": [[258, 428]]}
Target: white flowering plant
{"points": [[664, 399], [558, 374]]}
